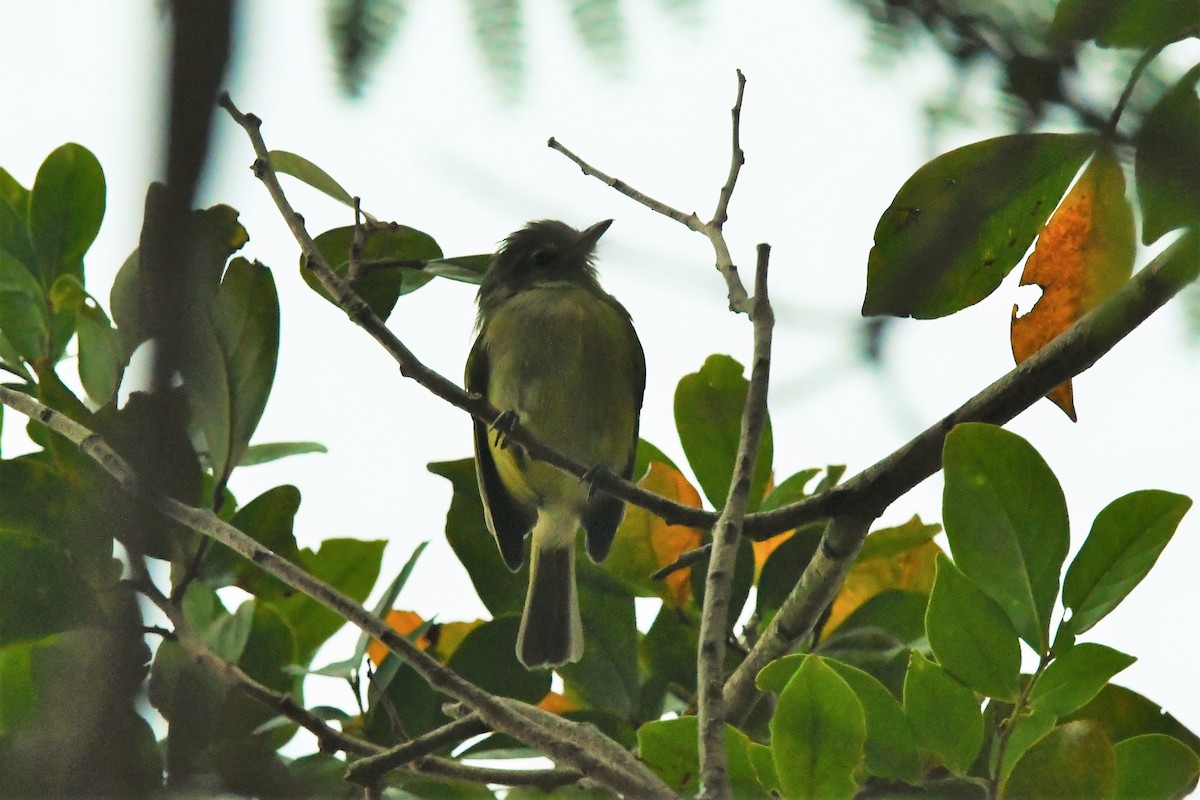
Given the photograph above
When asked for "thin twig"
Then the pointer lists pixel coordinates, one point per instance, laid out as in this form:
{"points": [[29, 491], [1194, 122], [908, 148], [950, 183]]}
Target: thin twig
{"points": [[1127, 92], [713, 230], [714, 622], [737, 159], [577, 745], [371, 770], [357, 241]]}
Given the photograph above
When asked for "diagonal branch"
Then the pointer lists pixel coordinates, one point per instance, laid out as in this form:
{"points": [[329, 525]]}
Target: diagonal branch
{"points": [[563, 741], [714, 623]]}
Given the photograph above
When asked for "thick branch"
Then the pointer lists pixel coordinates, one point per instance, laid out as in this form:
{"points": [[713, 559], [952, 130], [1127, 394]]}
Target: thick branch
{"points": [[714, 622], [579, 746]]}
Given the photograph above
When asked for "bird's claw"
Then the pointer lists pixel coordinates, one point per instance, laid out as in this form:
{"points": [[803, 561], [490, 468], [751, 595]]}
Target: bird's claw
{"points": [[593, 475], [504, 426]]}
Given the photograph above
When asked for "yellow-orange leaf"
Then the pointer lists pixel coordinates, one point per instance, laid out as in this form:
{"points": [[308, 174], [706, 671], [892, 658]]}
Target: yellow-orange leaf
{"points": [[1083, 254], [556, 703], [404, 622], [765, 548], [893, 558], [450, 635], [644, 543]]}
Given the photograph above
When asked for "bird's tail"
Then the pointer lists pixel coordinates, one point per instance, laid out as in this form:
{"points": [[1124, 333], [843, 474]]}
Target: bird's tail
{"points": [[551, 629]]}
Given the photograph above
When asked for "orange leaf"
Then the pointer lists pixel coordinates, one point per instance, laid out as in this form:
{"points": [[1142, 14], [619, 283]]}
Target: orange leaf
{"points": [[556, 703], [1083, 254], [644, 543], [404, 622]]}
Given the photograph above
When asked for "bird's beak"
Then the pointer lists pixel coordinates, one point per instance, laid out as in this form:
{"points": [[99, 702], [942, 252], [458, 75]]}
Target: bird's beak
{"points": [[589, 236]]}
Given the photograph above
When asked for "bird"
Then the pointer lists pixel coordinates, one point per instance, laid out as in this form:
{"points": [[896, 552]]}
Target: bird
{"points": [[559, 355]]}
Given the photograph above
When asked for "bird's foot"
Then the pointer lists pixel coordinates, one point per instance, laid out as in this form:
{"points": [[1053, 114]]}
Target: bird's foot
{"points": [[504, 426], [594, 474]]}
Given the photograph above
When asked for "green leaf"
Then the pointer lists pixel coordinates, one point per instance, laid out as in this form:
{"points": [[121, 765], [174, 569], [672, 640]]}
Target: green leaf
{"points": [[18, 692], [1154, 767], [669, 648], [669, 748], [764, 766], [1073, 760], [791, 490], [214, 235], [40, 591], [388, 600], [1126, 539], [465, 269], [708, 415], [246, 320], [606, 678], [965, 219], [1076, 676], [944, 714], [487, 657], [13, 193], [267, 519], [877, 636], [266, 452], [1137, 24], [1168, 160], [380, 287], [646, 453], [502, 591], [14, 231], [1124, 714], [306, 171], [351, 566], [818, 734], [1027, 729], [1006, 519], [24, 318], [101, 357], [785, 565], [971, 636], [65, 210], [891, 749]]}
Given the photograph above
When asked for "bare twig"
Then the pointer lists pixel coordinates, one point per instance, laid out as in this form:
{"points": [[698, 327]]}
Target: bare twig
{"points": [[354, 271], [580, 746], [713, 230], [714, 622], [368, 771]]}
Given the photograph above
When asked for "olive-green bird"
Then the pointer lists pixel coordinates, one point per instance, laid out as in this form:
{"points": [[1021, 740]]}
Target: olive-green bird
{"points": [[561, 354]]}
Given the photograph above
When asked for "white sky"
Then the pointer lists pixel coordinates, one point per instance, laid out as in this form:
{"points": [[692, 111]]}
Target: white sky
{"points": [[828, 139]]}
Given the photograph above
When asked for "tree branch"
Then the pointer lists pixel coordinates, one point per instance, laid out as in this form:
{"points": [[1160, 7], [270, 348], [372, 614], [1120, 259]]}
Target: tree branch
{"points": [[714, 622], [580, 746]]}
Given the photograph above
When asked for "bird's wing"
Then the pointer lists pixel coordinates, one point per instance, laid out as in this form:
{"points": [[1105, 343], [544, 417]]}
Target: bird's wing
{"points": [[604, 513], [507, 519]]}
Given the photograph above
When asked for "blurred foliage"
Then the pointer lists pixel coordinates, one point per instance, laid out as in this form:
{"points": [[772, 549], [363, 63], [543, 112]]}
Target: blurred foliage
{"points": [[1008, 44], [360, 31]]}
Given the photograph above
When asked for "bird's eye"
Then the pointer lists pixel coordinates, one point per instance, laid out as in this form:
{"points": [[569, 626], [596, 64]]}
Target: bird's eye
{"points": [[542, 257]]}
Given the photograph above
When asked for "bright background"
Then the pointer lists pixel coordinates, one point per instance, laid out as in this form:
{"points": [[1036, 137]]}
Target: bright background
{"points": [[829, 139]]}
